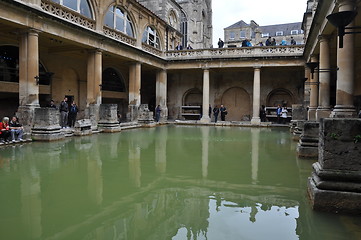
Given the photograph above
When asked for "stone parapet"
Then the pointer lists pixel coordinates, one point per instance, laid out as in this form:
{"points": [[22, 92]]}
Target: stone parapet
{"points": [[82, 127], [108, 118], [309, 140], [46, 125], [335, 184]]}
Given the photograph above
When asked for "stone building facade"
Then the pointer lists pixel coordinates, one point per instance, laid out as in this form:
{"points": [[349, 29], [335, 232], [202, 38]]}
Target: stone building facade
{"points": [[239, 31]]}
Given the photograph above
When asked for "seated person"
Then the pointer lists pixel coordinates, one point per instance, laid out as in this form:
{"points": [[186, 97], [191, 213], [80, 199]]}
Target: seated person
{"points": [[4, 130], [16, 129]]}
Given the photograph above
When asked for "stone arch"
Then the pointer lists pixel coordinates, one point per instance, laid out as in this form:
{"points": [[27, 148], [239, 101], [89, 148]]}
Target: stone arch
{"points": [[238, 104], [110, 20], [192, 97], [112, 80], [158, 37], [281, 97]]}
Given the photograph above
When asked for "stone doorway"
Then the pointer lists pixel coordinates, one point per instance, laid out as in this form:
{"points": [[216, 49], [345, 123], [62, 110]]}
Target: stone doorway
{"points": [[238, 104]]}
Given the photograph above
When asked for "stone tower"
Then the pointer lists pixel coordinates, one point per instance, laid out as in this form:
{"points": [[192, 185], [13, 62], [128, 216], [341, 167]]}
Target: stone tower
{"points": [[193, 18]]}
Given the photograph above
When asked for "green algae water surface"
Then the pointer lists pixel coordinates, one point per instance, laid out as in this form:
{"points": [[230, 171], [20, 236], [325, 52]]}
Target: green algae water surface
{"points": [[173, 182]]}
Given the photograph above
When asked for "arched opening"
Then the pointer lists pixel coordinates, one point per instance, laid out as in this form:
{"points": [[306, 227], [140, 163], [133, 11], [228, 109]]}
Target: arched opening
{"points": [[80, 6], [184, 29], [112, 81], [192, 104], [281, 97], [238, 104], [151, 37]]}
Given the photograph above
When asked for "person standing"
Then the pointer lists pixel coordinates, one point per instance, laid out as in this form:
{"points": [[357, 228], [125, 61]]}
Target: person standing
{"points": [[278, 112], [262, 113], [64, 109], [224, 112], [293, 42], [157, 113], [273, 43], [215, 113], [51, 104], [72, 114], [16, 129], [268, 41], [284, 115], [220, 43], [210, 111]]}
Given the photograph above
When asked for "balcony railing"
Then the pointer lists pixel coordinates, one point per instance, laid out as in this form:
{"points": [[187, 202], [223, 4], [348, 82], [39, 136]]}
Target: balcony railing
{"points": [[244, 52], [118, 35]]}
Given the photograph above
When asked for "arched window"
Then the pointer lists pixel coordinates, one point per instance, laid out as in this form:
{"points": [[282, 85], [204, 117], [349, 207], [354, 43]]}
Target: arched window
{"points": [[80, 6], [184, 29], [112, 81], [118, 19], [150, 36]]}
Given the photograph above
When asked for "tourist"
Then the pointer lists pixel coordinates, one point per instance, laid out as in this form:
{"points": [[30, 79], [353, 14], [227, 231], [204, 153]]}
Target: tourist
{"points": [[278, 112], [179, 47], [157, 113], [220, 43], [16, 129], [260, 44], [273, 43], [244, 43], [224, 112], [64, 109], [210, 111], [284, 115], [262, 114], [189, 47], [51, 104], [72, 114], [283, 42], [268, 41], [215, 113], [4, 130], [293, 42]]}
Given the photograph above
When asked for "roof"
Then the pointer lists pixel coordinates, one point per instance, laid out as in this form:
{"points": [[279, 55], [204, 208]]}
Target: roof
{"points": [[240, 24], [285, 28]]}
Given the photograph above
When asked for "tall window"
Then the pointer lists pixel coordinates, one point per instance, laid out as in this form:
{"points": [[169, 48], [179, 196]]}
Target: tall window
{"points": [[112, 81], [118, 19], [80, 6], [150, 36], [172, 18], [279, 33], [184, 29], [294, 32]]}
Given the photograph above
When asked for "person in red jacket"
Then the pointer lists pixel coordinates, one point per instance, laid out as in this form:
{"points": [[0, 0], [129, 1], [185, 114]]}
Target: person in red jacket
{"points": [[5, 130]]}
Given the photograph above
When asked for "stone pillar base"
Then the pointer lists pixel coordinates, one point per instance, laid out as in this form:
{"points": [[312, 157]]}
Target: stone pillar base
{"points": [[163, 114], [343, 111], [308, 144], [297, 129], [311, 114], [92, 113], [108, 119], [335, 184], [132, 114], [26, 116], [205, 119], [256, 121], [46, 125], [144, 115], [322, 113]]}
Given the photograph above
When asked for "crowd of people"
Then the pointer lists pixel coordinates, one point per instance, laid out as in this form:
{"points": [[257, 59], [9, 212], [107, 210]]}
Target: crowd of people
{"points": [[67, 113], [269, 42]]}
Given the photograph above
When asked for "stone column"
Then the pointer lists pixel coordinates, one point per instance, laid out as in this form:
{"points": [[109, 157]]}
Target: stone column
{"points": [[314, 93], [205, 108], [94, 80], [134, 90], [307, 90], [161, 94], [28, 76], [324, 108], [256, 96], [345, 75]]}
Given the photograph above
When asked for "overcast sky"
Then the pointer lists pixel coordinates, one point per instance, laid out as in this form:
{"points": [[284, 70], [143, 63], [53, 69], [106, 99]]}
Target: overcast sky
{"points": [[263, 12]]}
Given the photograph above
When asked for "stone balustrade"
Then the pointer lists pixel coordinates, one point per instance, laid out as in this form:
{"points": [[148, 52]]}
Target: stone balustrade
{"points": [[244, 52]]}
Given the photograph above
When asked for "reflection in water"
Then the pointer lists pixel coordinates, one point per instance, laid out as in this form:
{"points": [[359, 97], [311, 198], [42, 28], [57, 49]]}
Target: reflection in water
{"points": [[163, 183]]}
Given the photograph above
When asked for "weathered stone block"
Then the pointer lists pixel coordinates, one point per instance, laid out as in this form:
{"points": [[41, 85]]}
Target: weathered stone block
{"points": [[298, 112], [340, 144], [108, 118], [144, 114], [46, 125], [82, 127], [309, 140]]}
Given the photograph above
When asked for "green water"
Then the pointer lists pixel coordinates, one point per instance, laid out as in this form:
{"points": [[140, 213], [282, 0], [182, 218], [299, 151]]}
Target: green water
{"points": [[163, 183]]}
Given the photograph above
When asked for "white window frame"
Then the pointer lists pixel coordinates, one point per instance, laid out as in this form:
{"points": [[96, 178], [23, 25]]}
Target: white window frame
{"points": [[230, 35], [156, 42], [242, 32], [294, 32], [265, 35], [279, 33], [61, 2]]}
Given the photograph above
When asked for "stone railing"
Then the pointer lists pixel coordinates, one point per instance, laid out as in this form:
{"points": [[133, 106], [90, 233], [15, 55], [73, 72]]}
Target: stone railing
{"points": [[153, 50], [109, 32], [244, 52], [67, 14]]}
